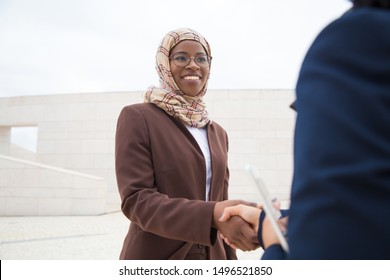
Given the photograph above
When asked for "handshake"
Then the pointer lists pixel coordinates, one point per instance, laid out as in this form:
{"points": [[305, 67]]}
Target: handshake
{"points": [[238, 224]]}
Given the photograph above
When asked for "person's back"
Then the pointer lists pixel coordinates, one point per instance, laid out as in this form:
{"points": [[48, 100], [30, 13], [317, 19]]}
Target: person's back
{"points": [[340, 203]]}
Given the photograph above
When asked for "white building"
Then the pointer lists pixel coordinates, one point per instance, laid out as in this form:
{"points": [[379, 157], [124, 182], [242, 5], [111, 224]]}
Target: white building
{"points": [[70, 169]]}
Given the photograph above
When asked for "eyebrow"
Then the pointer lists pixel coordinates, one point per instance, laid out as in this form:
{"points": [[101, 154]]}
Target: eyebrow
{"points": [[181, 52]]}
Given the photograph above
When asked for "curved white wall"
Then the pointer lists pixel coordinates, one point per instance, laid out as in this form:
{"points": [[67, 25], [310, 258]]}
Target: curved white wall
{"points": [[76, 132]]}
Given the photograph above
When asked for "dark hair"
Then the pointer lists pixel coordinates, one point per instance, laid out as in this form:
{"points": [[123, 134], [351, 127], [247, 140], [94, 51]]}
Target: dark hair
{"points": [[384, 4]]}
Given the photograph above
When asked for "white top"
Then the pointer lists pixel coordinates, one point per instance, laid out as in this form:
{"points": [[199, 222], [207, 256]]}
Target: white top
{"points": [[200, 135]]}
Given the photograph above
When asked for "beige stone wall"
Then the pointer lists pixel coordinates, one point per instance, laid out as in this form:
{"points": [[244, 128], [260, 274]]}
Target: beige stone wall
{"points": [[260, 125], [33, 189], [4, 139], [76, 134]]}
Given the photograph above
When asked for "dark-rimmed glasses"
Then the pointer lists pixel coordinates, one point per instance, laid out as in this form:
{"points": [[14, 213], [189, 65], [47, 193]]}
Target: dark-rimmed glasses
{"points": [[182, 59]]}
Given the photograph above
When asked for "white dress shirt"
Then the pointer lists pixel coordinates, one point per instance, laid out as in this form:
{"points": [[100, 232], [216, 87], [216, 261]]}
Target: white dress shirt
{"points": [[200, 135]]}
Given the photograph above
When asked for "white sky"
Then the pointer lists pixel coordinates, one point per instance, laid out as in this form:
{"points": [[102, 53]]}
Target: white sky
{"points": [[68, 46]]}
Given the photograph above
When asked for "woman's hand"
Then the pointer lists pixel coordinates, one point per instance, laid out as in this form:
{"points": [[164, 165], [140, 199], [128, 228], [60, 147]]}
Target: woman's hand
{"points": [[249, 213], [239, 233]]}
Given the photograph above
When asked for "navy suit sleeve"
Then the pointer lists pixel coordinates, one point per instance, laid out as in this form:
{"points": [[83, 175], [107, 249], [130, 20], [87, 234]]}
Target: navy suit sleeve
{"points": [[273, 252]]}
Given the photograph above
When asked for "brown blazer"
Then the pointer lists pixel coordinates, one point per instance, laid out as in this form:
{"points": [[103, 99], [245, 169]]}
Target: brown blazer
{"points": [[161, 175]]}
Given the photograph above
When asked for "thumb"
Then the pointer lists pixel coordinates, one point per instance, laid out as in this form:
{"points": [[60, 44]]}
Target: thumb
{"points": [[225, 216], [276, 203], [229, 212]]}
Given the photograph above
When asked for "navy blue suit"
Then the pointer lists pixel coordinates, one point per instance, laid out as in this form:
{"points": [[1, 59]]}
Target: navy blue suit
{"points": [[340, 199]]}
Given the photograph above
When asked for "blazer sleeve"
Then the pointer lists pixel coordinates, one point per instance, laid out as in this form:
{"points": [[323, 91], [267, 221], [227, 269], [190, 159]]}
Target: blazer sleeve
{"points": [[142, 203], [230, 252]]}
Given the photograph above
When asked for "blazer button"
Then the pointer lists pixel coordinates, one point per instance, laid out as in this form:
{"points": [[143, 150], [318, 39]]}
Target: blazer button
{"points": [[200, 246]]}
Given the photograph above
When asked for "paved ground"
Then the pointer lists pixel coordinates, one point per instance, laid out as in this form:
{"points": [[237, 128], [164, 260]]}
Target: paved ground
{"points": [[70, 237]]}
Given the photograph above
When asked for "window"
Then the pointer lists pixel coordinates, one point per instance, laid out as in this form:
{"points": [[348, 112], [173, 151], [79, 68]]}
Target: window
{"points": [[25, 137]]}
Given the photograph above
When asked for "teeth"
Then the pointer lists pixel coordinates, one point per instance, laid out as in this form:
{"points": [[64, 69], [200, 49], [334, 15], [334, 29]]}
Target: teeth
{"points": [[191, 78]]}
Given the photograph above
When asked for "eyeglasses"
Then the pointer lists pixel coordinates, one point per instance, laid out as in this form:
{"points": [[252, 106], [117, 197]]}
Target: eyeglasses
{"points": [[182, 59]]}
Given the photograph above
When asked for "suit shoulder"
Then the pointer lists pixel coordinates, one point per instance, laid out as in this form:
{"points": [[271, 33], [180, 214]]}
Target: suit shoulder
{"points": [[218, 128], [144, 109], [141, 107], [216, 125]]}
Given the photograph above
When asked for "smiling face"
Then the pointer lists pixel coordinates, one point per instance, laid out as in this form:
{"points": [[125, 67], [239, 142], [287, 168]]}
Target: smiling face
{"points": [[190, 78]]}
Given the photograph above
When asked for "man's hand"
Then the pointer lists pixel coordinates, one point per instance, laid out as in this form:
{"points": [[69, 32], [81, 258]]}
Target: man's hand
{"points": [[268, 234], [236, 230], [250, 214]]}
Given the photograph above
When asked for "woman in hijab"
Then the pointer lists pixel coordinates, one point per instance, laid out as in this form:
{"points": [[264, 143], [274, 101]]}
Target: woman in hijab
{"points": [[171, 163]]}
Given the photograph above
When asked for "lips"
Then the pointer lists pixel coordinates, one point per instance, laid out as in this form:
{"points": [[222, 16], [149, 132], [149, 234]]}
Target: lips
{"points": [[191, 77]]}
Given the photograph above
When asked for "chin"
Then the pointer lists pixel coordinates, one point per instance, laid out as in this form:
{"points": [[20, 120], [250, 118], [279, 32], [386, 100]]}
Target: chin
{"points": [[191, 93]]}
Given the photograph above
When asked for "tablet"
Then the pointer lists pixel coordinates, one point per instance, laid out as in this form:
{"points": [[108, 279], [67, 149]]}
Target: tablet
{"points": [[272, 213]]}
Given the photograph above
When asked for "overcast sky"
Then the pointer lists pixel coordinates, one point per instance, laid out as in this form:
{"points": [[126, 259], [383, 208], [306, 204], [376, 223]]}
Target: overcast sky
{"points": [[69, 46]]}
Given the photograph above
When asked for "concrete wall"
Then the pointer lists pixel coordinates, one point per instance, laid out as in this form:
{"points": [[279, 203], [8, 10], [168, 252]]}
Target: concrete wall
{"points": [[76, 133], [32, 189], [4, 139]]}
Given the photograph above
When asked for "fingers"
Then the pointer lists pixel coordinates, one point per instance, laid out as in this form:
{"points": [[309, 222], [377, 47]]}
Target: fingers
{"points": [[222, 205], [227, 241], [250, 245], [276, 203], [234, 246], [225, 216], [248, 241], [239, 234], [230, 211], [237, 223], [250, 214]]}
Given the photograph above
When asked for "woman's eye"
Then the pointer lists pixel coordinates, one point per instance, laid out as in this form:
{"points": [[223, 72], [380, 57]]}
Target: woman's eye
{"points": [[180, 58], [201, 59]]}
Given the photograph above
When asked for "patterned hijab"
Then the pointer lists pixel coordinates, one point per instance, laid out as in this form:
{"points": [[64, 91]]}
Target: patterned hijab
{"points": [[191, 110]]}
